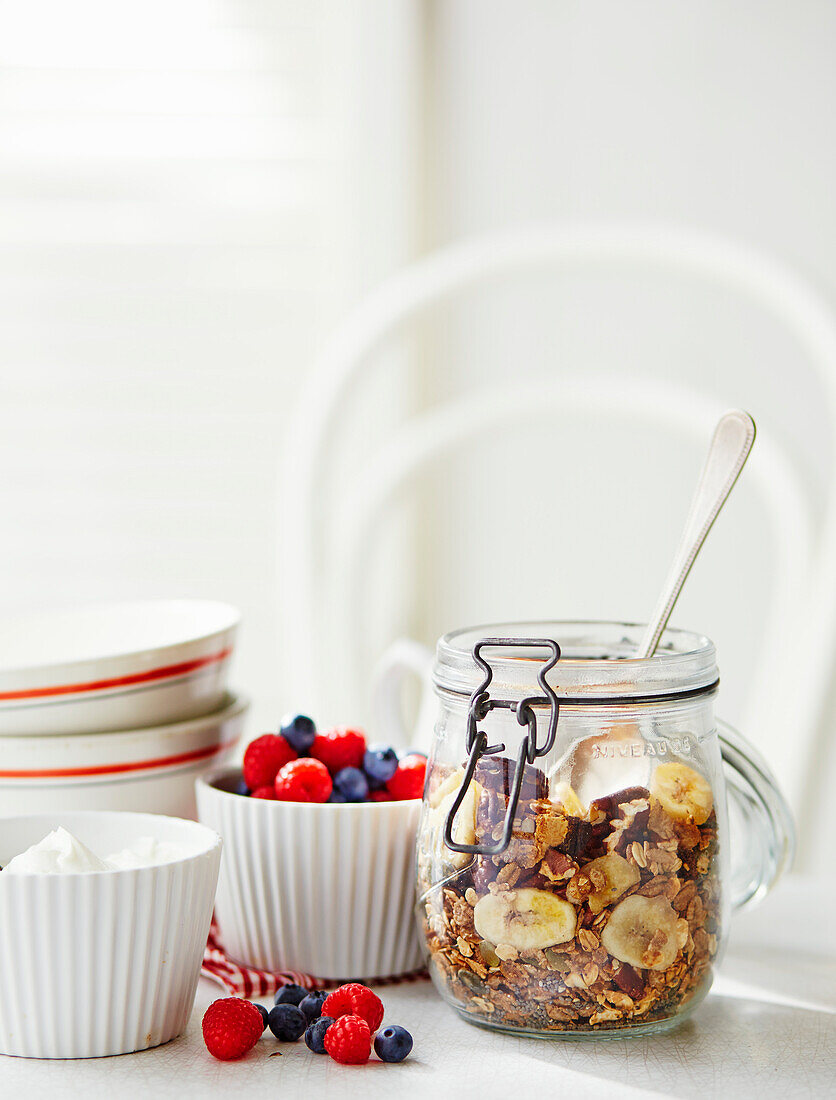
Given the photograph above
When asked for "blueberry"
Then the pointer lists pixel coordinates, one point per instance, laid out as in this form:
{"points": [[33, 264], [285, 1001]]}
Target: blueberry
{"points": [[300, 731], [311, 1006], [315, 1034], [336, 796], [242, 788], [290, 995], [379, 763], [264, 1015], [287, 1023], [393, 1043], [352, 784]]}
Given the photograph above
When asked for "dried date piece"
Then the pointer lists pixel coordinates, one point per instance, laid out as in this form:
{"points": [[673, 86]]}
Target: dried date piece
{"points": [[629, 981], [578, 838], [496, 773], [607, 806]]}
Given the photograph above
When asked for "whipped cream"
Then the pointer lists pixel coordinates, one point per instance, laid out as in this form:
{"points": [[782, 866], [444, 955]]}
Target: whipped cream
{"points": [[60, 853]]}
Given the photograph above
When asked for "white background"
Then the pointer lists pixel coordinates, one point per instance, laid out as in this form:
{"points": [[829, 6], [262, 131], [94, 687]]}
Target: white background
{"points": [[191, 195], [714, 116]]}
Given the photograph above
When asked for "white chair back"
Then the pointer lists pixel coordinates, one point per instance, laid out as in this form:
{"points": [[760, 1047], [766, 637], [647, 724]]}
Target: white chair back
{"points": [[324, 542]]}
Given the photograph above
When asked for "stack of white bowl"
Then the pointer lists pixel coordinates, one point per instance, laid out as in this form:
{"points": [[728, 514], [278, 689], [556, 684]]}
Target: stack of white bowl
{"points": [[115, 706]]}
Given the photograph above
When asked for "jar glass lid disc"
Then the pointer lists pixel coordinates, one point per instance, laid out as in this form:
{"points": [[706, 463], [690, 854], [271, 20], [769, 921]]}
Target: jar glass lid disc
{"points": [[597, 661]]}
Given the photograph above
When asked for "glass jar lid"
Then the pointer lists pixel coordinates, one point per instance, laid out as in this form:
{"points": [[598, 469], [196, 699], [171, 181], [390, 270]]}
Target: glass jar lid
{"points": [[596, 663]]}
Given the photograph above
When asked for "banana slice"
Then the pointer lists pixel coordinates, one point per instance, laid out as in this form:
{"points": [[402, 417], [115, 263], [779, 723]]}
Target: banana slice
{"points": [[683, 793], [451, 783], [645, 932], [526, 919], [565, 795], [610, 876], [464, 826]]}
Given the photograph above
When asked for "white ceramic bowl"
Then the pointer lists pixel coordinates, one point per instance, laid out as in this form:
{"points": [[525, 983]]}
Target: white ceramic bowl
{"points": [[113, 666], [151, 770], [325, 889], [104, 962]]}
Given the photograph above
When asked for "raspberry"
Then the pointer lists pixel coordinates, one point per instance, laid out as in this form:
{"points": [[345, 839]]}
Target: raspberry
{"points": [[263, 759], [379, 796], [231, 1027], [303, 780], [264, 792], [348, 1040], [354, 1000], [339, 748], [408, 780]]}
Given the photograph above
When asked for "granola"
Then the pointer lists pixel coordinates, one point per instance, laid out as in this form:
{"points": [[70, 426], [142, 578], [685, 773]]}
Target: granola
{"points": [[590, 920]]}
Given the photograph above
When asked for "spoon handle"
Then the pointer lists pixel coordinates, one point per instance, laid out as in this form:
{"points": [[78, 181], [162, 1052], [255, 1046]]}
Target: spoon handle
{"points": [[730, 447]]}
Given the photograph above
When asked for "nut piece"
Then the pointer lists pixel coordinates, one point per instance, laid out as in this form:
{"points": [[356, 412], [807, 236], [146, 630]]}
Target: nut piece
{"points": [[526, 919], [645, 932], [557, 866], [684, 793], [611, 876]]}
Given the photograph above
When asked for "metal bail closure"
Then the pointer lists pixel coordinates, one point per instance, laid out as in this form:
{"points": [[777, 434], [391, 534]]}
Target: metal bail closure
{"points": [[480, 706]]}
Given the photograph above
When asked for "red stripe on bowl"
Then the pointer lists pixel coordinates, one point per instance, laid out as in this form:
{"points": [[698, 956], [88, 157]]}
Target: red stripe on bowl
{"points": [[115, 769], [165, 672]]}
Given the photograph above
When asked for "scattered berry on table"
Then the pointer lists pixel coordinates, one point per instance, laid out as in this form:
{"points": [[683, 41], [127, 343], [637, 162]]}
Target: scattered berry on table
{"points": [[264, 1015], [311, 1005], [303, 780], [408, 780], [315, 1034], [265, 792], [349, 1040], [263, 759], [287, 1022], [379, 763], [231, 1027], [351, 783], [300, 731], [355, 999], [339, 748], [392, 1043], [290, 994]]}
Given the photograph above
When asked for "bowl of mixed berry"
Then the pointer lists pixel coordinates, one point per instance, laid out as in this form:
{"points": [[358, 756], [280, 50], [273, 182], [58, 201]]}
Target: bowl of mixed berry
{"points": [[317, 872], [299, 764]]}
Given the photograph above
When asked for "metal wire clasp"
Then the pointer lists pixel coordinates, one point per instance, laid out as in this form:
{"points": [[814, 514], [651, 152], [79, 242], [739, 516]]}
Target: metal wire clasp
{"points": [[480, 706]]}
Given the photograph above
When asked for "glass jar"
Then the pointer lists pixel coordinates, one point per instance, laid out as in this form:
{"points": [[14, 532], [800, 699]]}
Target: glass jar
{"points": [[574, 872]]}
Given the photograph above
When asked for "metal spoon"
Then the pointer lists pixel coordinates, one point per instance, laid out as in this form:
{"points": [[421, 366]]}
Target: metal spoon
{"points": [[730, 447]]}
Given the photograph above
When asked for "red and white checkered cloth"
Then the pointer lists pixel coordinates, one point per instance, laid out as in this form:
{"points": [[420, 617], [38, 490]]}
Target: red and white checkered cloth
{"points": [[247, 981]]}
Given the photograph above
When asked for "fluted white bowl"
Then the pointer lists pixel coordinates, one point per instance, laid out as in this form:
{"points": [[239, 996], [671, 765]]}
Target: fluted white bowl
{"points": [[325, 889], [102, 962]]}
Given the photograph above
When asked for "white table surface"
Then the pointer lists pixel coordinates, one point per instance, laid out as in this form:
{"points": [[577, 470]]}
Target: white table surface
{"points": [[768, 1029]]}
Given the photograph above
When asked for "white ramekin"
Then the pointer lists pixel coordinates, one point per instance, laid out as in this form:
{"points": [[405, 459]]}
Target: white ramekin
{"points": [[148, 770], [105, 962], [325, 889], [113, 666]]}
